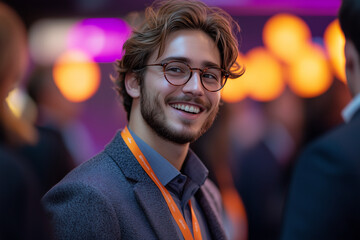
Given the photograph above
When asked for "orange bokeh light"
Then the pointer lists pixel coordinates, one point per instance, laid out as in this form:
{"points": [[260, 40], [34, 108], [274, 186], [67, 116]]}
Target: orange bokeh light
{"points": [[264, 75], [235, 90], [76, 76], [309, 75], [262, 80], [286, 35], [334, 42]]}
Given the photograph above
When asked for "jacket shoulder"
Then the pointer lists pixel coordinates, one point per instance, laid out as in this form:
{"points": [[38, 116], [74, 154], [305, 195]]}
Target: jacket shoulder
{"points": [[84, 196]]}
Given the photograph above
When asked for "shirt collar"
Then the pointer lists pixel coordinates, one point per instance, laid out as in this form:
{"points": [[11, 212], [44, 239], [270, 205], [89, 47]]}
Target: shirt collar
{"points": [[187, 183], [194, 168], [350, 109], [165, 171]]}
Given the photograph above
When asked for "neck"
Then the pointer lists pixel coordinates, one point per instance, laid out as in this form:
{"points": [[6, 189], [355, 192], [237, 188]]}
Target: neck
{"points": [[173, 152]]}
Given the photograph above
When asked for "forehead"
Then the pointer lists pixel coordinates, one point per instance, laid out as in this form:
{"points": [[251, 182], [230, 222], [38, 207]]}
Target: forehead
{"points": [[194, 45]]}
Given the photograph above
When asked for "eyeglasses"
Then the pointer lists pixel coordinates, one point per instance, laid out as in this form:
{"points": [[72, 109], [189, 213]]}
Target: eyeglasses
{"points": [[178, 73]]}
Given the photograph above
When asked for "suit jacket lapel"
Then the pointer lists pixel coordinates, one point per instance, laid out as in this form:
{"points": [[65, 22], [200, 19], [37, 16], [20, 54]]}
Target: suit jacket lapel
{"points": [[156, 210], [147, 193], [211, 212]]}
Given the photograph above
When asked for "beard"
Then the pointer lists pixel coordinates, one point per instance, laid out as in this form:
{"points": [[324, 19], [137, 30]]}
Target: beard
{"points": [[154, 116]]}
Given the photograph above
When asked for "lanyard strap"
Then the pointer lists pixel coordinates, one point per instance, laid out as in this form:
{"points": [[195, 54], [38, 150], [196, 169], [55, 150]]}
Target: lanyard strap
{"points": [[175, 212]]}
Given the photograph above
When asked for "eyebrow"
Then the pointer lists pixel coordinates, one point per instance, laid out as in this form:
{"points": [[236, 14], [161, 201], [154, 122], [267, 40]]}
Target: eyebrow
{"points": [[188, 61]]}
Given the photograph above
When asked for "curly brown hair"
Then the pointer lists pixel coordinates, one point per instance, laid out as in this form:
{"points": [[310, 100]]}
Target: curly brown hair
{"points": [[165, 17]]}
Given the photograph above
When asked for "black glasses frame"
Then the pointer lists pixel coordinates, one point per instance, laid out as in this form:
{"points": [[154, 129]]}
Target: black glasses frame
{"points": [[224, 73]]}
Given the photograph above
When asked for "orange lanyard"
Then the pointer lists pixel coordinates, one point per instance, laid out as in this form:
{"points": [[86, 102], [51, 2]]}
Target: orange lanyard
{"points": [[128, 139]]}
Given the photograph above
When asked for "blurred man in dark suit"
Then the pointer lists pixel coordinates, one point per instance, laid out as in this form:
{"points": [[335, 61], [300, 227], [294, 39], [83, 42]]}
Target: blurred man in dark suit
{"points": [[324, 197]]}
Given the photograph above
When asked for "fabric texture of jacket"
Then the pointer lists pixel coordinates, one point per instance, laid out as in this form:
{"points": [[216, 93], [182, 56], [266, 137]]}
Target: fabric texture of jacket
{"points": [[111, 197]]}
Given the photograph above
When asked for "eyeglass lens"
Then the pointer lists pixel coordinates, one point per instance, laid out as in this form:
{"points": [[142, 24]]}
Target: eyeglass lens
{"points": [[178, 73]]}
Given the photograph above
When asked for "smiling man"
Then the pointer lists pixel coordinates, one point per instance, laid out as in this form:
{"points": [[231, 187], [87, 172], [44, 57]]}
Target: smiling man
{"points": [[147, 183]]}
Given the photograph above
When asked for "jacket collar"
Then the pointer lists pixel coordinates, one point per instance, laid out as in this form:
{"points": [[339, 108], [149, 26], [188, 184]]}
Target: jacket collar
{"points": [[352, 109]]}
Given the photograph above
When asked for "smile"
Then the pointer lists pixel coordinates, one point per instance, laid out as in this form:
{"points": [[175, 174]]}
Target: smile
{"points": [[186, 108]]}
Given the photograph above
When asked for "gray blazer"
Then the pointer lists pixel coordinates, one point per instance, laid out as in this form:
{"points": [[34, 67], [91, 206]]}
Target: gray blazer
{"points": [[111, 197]]}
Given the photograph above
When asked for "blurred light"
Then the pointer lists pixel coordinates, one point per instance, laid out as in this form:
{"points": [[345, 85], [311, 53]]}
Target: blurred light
{"points": [[286, 36], [335, 42], [16, 101], [47, 39], [76, 76], [309, 75], [264, 75], [101, 38], [21, 105], [253, 7], [235, 90]]}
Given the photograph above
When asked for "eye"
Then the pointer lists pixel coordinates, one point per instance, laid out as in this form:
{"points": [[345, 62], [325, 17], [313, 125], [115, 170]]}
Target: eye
{"points": [[176, 68], [209, 76], [213, 75]]}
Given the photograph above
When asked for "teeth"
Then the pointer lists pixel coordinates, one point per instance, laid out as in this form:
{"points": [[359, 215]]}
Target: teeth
{"points": [[186, 108]]}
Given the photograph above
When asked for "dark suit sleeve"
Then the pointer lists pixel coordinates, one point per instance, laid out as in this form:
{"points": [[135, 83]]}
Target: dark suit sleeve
{"points": [[78, 211], [323, 200]]}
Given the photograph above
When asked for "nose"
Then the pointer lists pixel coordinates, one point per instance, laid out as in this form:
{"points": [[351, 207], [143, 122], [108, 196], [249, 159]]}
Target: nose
{"points": [[194, 86]]}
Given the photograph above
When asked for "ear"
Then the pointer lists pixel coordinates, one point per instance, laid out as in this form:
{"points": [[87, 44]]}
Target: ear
{"points": [[350, 56], [132, 85], [352, 66]]}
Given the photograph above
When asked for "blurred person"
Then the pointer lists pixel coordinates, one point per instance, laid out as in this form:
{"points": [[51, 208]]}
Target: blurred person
{"points": [[147, 183], [49, 157], [21, 215], [60, 115], [324, 197], [261, 164], [42, 147]]}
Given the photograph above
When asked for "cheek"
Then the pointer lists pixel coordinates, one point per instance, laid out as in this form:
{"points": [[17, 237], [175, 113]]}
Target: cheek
{"points": [[154, 82], [161, 88], [215, 98]]}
